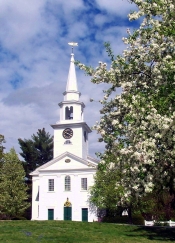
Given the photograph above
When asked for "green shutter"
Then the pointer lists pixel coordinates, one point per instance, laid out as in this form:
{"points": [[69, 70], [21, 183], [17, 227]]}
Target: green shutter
{"points": [[50, 214], [85, 214], [67, 213]]}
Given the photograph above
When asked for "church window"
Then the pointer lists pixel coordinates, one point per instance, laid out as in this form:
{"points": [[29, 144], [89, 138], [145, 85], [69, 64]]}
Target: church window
{"points": [[67, 142], [51, 185], [84, 184], [37, 197], [69, 113], [85, 136], [67, 183]]}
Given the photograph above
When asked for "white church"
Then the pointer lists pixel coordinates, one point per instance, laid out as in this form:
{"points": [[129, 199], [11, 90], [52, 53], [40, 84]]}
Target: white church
{"points": [[60, 187]]}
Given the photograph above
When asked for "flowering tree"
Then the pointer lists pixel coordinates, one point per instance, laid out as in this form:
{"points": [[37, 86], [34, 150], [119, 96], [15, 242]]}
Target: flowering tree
{"points": [[138, 125]]}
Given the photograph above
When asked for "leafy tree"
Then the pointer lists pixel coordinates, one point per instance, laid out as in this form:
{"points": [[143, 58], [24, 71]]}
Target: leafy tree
{"points": [[36, 151], [138, 124], [2, 140], [103, 192], [13, 190], [157, 205]]}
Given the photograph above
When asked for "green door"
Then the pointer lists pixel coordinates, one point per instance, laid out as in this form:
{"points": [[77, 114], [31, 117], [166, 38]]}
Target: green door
{"points": [[67, 213], [85, 214], [50, 214]]}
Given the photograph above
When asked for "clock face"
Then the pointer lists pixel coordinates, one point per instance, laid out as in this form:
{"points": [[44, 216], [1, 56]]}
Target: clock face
{"points": [[67, 133]]}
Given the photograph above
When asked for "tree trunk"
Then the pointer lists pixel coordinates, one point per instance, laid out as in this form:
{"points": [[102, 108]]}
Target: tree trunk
{"points": [[130, 214]]}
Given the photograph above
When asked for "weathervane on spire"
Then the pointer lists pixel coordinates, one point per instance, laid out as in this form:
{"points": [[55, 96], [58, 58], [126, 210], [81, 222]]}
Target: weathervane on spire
{"points": [[72, 44]]}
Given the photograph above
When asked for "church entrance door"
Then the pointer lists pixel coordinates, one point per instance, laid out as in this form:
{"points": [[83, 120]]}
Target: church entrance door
{"points": [[50, 214], [67, 213], [85, 214]]}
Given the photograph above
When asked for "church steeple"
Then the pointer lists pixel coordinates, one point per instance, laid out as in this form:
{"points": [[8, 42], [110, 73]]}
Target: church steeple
{"points": [[71, 131], [72, 79], [71, 109], [71, 92]]}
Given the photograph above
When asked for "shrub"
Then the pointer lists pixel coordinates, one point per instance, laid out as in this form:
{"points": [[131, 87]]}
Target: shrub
{"points": [[19, 218], [137, 219]]}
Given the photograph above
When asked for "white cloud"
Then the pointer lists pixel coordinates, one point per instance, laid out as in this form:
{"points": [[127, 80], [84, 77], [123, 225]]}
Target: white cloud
{"points": [[101, 19], [120, 8], [19, 19], [78, 30], [67, 6]]}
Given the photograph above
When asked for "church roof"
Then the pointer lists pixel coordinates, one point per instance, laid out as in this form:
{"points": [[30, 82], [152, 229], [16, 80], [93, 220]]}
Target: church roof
{"points": [[81, 164]]}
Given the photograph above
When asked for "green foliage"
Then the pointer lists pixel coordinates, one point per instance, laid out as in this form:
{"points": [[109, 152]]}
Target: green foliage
{"points": [[36, 151], [103, 193], [13, 190], [2, 140], [156, 205]]}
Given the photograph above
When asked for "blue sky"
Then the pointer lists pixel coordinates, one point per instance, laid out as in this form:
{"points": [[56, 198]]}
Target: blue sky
{"points": [[35, 56]]}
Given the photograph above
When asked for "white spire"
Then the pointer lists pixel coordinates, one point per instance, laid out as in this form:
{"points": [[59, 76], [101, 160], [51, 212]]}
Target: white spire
{"points": [[72, 79]]}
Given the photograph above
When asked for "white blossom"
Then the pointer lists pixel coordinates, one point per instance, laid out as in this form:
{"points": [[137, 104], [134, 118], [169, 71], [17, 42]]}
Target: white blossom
{"points": [[141, 133]]}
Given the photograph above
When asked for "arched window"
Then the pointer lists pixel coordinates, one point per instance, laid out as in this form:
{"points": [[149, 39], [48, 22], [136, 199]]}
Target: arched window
{"points": [[81, 112], [67, 183], [69, 113], [67, 142]]}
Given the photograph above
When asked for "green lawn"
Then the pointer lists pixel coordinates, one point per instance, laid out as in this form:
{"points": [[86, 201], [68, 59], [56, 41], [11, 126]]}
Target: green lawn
{"points": [[80, 232]]}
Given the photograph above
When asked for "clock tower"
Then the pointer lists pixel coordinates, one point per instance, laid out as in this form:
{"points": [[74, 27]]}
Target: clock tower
{"points": [[71, 131]]}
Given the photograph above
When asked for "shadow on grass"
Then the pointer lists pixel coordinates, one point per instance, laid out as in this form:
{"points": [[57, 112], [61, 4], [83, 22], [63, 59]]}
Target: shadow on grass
{"points": [[154, 233]]}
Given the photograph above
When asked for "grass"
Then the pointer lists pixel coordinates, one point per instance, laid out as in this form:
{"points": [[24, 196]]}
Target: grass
{"points": [[81, 232]]}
